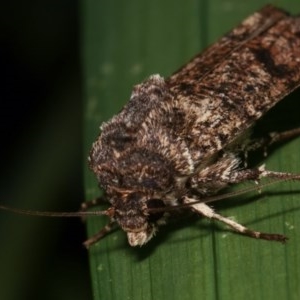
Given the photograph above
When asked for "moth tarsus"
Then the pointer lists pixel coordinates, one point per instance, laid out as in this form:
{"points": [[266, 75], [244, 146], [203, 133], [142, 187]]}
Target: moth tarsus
{"points": [[208, 212], [99, 235]]}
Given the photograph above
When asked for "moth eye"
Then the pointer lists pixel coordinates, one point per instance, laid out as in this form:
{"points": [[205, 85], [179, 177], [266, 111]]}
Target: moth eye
{"points": [[155, 203]]}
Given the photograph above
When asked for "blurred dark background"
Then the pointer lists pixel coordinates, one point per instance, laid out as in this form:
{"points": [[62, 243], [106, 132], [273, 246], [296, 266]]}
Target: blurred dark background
{"points": [[41, 151]]}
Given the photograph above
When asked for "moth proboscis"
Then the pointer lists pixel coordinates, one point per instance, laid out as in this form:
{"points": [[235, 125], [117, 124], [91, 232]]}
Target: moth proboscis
{"points": [[180, 141]]}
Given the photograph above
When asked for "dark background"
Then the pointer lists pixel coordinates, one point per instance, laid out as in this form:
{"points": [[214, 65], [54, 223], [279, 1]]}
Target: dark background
{"points": [[41, 150]]}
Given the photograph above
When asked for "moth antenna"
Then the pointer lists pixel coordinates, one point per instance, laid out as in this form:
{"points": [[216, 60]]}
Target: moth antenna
{"points": [[225, 195], [54, 214], [247, 190]]}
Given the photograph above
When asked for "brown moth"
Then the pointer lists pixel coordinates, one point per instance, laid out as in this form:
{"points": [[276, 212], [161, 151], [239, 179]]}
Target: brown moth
{"points": [[179, 140]]}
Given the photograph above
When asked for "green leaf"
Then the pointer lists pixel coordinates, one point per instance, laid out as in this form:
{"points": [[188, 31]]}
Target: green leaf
{"points": [[192, 258]]}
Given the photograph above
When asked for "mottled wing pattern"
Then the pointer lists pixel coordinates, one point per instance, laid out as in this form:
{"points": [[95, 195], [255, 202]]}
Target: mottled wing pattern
{"points": [[225, 99], [218, 52]]}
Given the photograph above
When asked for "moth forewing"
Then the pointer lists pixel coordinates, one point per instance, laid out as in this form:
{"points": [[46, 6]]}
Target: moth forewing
{"points": [[179, 139]]}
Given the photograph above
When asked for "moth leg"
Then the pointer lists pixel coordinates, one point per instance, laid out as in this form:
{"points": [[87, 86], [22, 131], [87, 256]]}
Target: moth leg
{"points": [[208, 212], [95, 202], [226, 171], [99, 235], [272, 138], [258, 173], [89, 204]]}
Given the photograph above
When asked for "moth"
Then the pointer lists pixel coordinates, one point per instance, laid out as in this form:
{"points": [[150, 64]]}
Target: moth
{"points": [[180, 141]]}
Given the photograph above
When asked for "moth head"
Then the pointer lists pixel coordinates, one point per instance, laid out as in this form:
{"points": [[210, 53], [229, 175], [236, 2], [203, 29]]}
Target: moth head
{"points": [[134, 217]]}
